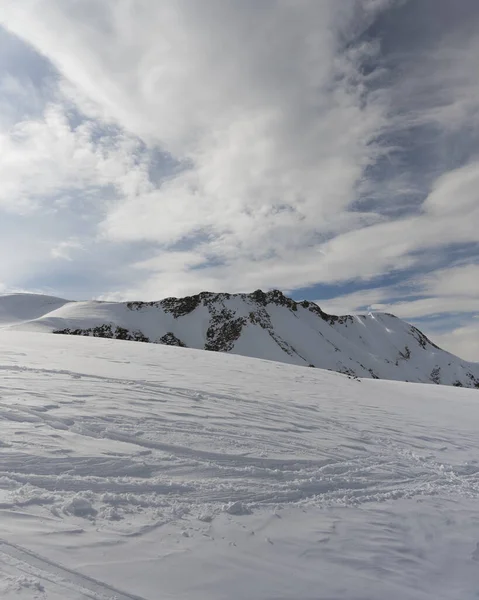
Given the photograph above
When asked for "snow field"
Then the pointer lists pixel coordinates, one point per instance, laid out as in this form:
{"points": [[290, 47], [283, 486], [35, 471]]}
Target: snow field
{"points": [[142, 471]]}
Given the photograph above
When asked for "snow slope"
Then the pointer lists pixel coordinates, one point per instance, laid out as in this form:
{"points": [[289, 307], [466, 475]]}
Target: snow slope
{"points": [[140, 471], [262, 325]]}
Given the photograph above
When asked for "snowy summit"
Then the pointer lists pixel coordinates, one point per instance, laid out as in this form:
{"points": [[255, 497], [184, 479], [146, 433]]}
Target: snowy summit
{"points": [[265, 325]]}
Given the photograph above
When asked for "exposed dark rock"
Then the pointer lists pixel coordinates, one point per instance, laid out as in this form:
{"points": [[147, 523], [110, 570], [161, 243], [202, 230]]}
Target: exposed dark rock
{"points": [[421, 338], [226, 321], [347, 371], [179, 307], [436, 375], [474, 380], [272, 297], [278, 298], [222, 333], [139, 305], [259, 297], [314, 308], [106, 331], [406, 354], [262, 318], [170, 339], [341, 320]]}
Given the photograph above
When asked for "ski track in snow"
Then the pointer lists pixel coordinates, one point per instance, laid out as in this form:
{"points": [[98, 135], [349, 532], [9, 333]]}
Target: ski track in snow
{"points": [[36, 569], [179, 445], [168, 436]]}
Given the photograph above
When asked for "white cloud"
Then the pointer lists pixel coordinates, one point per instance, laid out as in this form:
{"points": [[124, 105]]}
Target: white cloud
{"points": [[461, 280], [370, 299], [442, 87], [275, 130], [452, 290], [431, 306], [450, 294], [445, 293], [450, 215], [64, 250], [44, 161], [455, 194], [273, 146], [272, 117], [462, 341]]}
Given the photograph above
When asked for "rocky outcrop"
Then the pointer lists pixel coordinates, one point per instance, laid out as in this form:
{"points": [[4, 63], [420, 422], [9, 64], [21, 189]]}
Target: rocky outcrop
{"points": [[270, 325], [170, 339], [106, 330]]}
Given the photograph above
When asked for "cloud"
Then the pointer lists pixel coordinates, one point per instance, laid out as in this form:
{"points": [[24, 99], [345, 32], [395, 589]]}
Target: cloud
{"points": [[448, 216], [64, 250], [463, 341], [44, 161], [443, 303], [273, 133], [230, 145], [443, 291]]}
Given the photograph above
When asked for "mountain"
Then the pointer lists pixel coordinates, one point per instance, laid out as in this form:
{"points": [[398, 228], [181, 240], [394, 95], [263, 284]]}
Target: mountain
{"points": [[147, 472], [261, 325]]}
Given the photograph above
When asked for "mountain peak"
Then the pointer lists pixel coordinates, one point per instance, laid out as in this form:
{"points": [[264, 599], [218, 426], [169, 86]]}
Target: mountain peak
{"points": [[267, 325]]}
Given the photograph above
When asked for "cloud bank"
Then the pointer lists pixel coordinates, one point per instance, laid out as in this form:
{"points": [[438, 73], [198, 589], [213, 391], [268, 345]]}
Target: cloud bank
{"points": [[326, 148]]}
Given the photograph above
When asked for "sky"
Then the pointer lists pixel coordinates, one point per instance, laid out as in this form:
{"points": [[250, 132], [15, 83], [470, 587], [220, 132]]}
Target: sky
{"points": [[329, 149]]}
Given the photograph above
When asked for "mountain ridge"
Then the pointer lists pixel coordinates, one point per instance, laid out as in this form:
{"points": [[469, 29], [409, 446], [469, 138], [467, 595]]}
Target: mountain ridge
{"points": [[266, 325]]}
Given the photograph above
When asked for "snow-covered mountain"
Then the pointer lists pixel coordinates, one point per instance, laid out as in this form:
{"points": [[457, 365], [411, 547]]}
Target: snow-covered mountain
{"points": [[146, 472], [262, 325]]}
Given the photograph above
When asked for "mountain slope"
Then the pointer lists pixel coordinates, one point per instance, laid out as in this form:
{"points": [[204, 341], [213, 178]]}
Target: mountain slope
{"points": [[262, 325], [143, 472]]}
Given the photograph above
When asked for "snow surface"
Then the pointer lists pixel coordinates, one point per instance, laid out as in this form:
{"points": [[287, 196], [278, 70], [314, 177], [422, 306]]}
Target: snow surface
{"points": [[275, 328], [149, 472]]}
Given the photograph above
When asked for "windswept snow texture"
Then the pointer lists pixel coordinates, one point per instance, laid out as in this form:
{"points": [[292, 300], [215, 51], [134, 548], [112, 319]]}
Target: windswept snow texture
{"points": [[140, 471], [262, 325]]}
